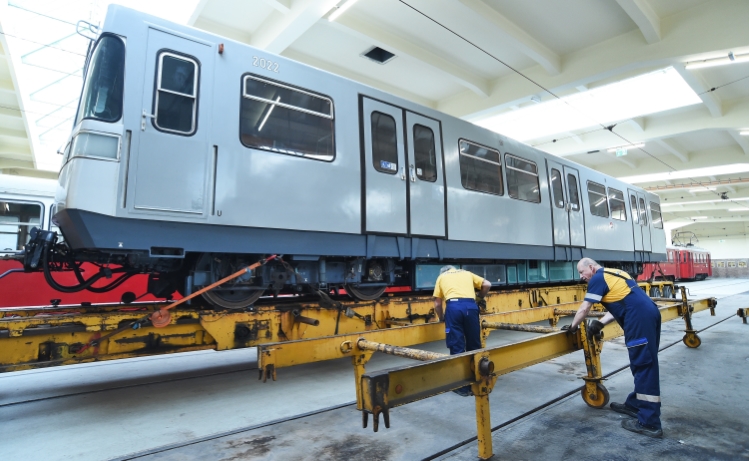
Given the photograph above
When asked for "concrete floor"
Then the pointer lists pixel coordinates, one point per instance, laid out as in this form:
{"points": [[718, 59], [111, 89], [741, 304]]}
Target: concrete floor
{"points": [[115, 410]]}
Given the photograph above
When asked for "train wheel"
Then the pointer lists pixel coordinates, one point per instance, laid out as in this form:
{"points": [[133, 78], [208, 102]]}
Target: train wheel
{"points": [[239, 293], [655, 292], [600, 400], [668, 291], [365, 293]]}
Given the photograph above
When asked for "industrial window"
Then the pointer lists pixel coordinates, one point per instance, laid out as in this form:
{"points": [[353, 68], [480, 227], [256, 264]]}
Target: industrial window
{"points": [[425, 156], [384, 143], [556, 188], [480, 168], [16, 221], [633, 207], [643, 213], [655, 213], [285, 120], [573, 192], [522, 179], [597, 198], [176, 98], [684, 257], [618, 208]]}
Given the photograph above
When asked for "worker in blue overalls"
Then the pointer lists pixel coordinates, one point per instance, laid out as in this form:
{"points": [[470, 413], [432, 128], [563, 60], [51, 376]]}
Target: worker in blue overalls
{"points": [[461, 316], [640, 319]]}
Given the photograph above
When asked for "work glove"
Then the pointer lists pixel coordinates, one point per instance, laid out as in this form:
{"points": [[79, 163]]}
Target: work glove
{"points": [[594, 329], [569, 330], [481, 302]]}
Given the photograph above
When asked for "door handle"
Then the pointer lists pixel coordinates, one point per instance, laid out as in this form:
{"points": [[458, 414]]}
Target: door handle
{"points": [[403, 173], [568, 207], [143, 118], [413, 174]]}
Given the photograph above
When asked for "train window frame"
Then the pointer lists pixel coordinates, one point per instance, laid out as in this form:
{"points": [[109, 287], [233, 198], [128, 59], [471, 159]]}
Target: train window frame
{"points": [[660, 215], [273, 104], [572, 185], [379, 162], [81, 110], [431, 157], [19, 224], [643, 211], [509, 168], [623, 209], [554, 192], [158, 81], [602, 194], [633, 209], [463, 165]]}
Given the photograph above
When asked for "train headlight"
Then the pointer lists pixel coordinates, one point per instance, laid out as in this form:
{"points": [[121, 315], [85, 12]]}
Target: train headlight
{"points": [[96, 145]]}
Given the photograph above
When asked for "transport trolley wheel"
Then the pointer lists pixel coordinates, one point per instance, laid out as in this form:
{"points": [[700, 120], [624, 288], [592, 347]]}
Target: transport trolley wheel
{"points": [[601, 400], [655, 292], [365, 293], [692, 341], [668, 291]]}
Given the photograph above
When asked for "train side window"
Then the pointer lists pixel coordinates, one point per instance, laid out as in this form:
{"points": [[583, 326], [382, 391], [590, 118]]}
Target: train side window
{"points": [[425, 158], [618, 208], [633, 207], [16, 221], [480, 168], [597, 198], [643, 213], [384, 143], [286, 120], [655, 213], [556, 187], [573, 192], [176, 97], [522, 179]]}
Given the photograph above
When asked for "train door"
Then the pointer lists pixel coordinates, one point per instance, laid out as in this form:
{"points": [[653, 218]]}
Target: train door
{"points": [[559, 208], [636, 225], [644, 221], [426, 187], [173, 156], [384, 168], [574, 209]]}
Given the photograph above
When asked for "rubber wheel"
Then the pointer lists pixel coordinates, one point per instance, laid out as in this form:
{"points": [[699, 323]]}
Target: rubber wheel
{"points": [[692, 341], [601, 400], [365, 293]]}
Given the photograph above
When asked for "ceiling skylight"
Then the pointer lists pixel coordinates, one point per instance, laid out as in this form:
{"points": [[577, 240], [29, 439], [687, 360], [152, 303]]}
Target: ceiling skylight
{"points": [[642, 95], [734, 168]]}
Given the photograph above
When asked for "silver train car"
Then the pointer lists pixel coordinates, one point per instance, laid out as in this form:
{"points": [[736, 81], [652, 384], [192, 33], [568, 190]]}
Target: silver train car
{"points": [[193, 155]]}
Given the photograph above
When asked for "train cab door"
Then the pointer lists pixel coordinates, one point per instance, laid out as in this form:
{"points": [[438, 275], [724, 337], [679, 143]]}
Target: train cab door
{"points": [[385, 208], [426, 189], [636, 226], [644, 221], [173, 164]]}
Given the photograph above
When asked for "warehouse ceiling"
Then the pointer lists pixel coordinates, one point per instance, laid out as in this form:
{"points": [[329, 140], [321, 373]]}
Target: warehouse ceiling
{"points": [[610, 84]]}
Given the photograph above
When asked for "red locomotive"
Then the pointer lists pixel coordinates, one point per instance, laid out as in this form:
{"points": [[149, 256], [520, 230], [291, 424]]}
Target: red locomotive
{"points": [[685, 262]]}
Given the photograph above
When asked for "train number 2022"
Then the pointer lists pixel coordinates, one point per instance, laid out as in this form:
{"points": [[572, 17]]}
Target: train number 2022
{"points": [[265, 64]]}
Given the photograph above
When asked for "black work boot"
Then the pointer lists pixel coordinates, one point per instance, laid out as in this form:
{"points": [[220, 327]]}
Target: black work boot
{"points": [[624, 409], [635, 426], [464, 391]]}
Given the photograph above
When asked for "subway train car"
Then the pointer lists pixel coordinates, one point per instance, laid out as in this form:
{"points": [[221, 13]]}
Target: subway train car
{"points": [[26, 203], [193, 155]]}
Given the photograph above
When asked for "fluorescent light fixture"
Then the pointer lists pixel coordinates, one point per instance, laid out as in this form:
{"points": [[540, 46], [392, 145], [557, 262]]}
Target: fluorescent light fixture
{"points": [[722, 61], [701, 202], [341, 9], [698, 217], [642, 95], [739, 209], [734, 168], [630, 146], [744, 133], [701, 189]]}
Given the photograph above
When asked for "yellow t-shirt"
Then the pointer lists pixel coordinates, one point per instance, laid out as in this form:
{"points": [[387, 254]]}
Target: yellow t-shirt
{"points": [[457, 284]]}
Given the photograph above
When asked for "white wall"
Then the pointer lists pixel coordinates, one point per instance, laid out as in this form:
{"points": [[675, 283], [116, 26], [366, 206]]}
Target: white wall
{"points": [[726, 247]]}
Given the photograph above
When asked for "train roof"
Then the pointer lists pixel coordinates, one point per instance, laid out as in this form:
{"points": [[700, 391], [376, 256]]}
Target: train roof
{"points": [[25, 185]]}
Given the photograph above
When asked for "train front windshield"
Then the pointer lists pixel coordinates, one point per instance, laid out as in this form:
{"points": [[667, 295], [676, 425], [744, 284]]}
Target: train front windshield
{"points": [[102, 91]]}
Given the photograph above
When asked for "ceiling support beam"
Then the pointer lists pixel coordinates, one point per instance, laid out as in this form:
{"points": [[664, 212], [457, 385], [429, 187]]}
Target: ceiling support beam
{"points": [[697, 83], [524, 42], [197, 12], [278, 33], [742, 141], [355, 27], [282, 6], [643, 15], [669, 146], [6, 163]]}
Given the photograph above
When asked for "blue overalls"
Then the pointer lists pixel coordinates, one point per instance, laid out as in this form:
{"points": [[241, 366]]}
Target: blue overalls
{"points": [[641, 320], [462, 325]]}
